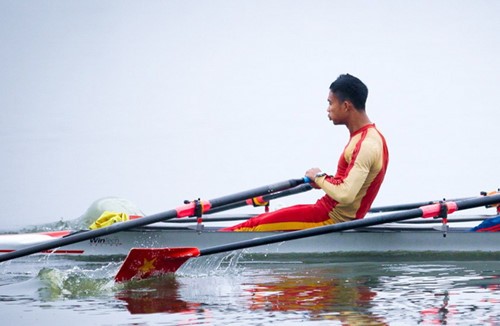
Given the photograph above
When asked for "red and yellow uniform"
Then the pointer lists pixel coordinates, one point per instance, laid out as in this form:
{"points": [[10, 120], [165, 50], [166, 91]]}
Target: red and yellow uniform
{"points": [[349, 194]]}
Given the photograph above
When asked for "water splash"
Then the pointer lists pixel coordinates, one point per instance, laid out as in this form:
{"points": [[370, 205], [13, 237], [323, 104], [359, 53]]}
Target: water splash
{"points": [[76, 282], [219, 264]]}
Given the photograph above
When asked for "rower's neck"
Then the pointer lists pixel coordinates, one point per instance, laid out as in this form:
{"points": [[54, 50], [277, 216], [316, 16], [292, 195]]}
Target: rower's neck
{"points": [[358, 121]]}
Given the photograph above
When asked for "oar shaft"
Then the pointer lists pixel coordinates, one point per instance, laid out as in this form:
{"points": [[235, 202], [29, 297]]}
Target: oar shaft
{"points": [[266, 198], [451, 220], [425, 211], [183, 211], [402, 207], [226, 200], [477, 202]]}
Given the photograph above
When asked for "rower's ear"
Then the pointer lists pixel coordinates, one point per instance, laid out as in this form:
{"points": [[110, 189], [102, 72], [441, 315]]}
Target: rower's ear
{"points": [[347, 105]]}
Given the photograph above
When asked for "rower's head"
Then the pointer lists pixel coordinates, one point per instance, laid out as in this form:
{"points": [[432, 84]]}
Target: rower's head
{"points": [[349, 88], [346, 102]]}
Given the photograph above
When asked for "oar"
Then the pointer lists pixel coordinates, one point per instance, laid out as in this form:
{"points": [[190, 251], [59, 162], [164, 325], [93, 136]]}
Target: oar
{"points": [[244, 217], [262, 200], [146, 262], [453, 220], [403, 207], [182, 211], [304, 188]]}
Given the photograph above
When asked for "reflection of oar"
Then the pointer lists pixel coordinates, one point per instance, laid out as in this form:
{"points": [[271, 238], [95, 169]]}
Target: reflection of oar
{"points": [[144, 262], [182, 211]]}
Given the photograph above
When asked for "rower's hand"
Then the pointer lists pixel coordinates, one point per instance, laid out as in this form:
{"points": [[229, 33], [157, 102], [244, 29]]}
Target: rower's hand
{"points": [[311, 174]]}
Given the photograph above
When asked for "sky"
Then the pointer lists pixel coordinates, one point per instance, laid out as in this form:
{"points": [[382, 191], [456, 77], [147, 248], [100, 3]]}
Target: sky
{"points": [[161, 101]]}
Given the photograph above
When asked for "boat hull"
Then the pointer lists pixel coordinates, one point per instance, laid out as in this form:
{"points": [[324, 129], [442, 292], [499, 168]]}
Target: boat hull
{"points": [[369, 241]]}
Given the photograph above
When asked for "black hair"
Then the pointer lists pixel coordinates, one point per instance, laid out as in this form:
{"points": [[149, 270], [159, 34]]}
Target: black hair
{"points": [[348, 87]]}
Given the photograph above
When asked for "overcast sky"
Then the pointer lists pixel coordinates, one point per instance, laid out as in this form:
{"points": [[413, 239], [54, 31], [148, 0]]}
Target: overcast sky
{"points": [[161, 101]]}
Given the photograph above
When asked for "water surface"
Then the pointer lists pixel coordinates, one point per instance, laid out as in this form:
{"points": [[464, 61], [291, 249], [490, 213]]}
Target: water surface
{"points": [[256, 289]]}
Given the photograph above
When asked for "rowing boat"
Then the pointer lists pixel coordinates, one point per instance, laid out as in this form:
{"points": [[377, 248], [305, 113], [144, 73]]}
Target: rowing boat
{"points": [[154, 248], [411, 236]]}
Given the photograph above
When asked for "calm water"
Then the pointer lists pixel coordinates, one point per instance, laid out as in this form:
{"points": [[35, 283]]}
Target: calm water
{"points": [[256, 290]]}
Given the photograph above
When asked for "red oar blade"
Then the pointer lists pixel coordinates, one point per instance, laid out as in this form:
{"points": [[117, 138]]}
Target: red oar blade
{"points": [[147, 262]]}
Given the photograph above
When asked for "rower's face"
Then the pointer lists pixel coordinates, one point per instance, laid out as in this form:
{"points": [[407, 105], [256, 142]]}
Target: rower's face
{"points": [[337, 112]]}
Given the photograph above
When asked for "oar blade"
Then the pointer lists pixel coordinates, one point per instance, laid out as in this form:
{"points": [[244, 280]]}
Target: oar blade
{"points": [[147, 262]]}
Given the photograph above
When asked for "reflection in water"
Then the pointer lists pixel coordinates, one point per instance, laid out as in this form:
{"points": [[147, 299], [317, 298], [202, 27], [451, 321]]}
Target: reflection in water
{"points": [[346, 293], [317, 293], [154, 295], [320, 293], [438, 315], [311, 294], [242, 291], [443, 293]]}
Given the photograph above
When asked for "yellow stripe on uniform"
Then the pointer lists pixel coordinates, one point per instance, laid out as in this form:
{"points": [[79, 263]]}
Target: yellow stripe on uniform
{"points": [[284, 226]]}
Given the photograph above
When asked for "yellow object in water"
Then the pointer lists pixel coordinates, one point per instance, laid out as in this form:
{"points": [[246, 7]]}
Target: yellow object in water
{"points": [[108, 218]]}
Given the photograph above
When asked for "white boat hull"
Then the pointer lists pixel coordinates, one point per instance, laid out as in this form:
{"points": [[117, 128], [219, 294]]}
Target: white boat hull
{"points": [[387, 239]]}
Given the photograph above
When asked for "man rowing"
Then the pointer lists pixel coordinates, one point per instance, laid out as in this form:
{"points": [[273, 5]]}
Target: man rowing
{"points": [[360, 170]]}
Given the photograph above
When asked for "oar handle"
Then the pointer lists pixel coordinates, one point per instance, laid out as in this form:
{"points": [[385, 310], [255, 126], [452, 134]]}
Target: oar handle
{"points": [[265, 198], [261, 191]]}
